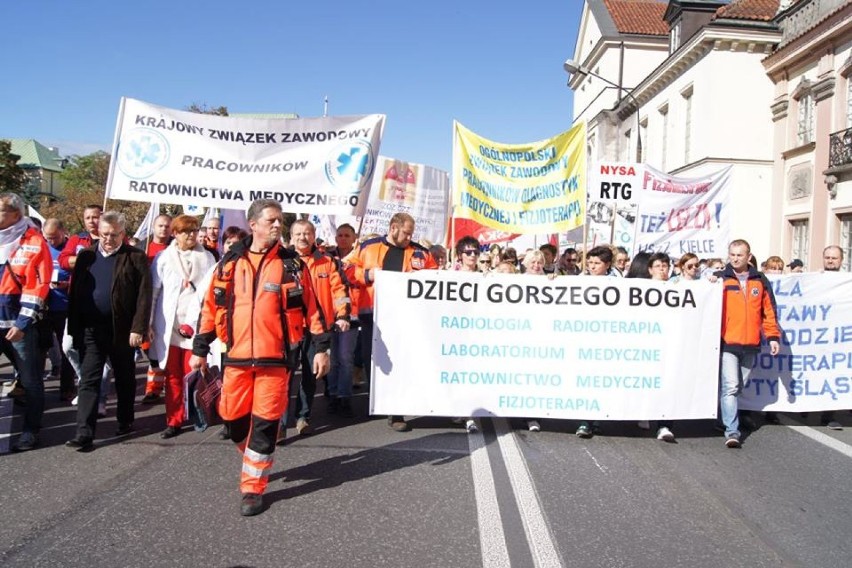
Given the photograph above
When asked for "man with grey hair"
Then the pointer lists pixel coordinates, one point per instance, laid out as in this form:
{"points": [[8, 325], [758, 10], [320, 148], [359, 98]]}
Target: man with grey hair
{"points": [[25, 268], [108, 315]]}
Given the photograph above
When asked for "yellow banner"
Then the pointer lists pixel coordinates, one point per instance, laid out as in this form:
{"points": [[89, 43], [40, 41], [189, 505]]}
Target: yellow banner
{"points": [[521, 188]]}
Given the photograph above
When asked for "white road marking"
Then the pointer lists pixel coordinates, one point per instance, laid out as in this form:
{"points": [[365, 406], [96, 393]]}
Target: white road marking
{"points": [[492, 539], [594, 459], [538, 533], [818, 436]]}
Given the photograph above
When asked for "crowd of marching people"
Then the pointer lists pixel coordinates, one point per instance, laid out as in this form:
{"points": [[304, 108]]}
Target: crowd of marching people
{"points": [[95, 304]]}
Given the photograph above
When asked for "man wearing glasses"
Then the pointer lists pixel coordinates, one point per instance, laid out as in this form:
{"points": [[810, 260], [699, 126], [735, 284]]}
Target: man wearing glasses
{"points": [[108, 315], [568, 262]]}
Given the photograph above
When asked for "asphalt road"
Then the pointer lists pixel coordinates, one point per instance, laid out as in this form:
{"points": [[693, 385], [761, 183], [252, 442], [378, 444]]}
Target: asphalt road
{"points": [[355, 494]]}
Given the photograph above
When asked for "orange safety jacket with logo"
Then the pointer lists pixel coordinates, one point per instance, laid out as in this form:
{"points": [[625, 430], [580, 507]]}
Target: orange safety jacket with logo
{"points": [[259, 315], [747, 311], [371, 254], [331, 288], [356, 290], [25, 281]]}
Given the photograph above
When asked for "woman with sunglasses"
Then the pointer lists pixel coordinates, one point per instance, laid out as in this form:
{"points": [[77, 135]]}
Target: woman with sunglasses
{"points": [[468, 254], [687, 268]]}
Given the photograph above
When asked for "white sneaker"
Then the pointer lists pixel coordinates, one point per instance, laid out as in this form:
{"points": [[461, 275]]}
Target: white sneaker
{"points": [[470, 426], [74, 401], [644, 425], [533, 426], [665, 435]]}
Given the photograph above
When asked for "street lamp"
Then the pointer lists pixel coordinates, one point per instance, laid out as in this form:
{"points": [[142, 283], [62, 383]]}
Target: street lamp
{"points": [[571, 67]]}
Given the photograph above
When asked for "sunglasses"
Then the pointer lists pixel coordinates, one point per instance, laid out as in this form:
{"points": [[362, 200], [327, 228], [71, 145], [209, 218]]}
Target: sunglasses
{"points": [[469, 252], [690, 266]]}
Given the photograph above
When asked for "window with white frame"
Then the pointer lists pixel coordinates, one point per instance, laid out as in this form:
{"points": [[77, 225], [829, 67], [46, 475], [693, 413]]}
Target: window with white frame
{"points": [[849, 102], [806, 119], [642, 141], [674, 38], [687, 138], [846, 240], [800, 240]]}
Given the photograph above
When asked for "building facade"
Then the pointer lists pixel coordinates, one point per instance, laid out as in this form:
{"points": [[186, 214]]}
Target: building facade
{"points": [[811, 72], [704, 106]]}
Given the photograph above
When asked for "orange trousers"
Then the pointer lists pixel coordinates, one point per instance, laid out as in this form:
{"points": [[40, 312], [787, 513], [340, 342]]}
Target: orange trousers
{"points": [[253, 400]]}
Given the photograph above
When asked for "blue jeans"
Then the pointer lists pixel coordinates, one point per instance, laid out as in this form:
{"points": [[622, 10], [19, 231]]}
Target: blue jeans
{"points": [[733, 372], [342, 359], [26, 357]]}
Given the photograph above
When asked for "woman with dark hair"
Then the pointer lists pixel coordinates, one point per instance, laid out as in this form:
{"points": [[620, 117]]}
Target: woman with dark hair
{"points": [[177, 274], [232, 235], [654, 267], [639, 266], [467, 253], [598, 263]]}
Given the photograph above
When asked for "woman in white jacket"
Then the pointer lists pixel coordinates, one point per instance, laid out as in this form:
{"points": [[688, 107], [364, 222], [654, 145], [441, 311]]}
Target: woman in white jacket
{"points": [[177, 274]]}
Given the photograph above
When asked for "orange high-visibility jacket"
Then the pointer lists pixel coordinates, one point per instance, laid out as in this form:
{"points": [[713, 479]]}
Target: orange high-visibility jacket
{"points": [[25, 281], [260, 315], [330, 286], [371, 254], [747, 311]]}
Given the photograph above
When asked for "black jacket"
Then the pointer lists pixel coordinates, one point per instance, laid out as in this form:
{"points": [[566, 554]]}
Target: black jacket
{"points": [[131, 294]]}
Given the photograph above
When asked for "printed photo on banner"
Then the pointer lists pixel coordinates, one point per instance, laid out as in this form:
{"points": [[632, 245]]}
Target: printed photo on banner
{"points": [[405, 187], [813, 372], [677, 215], [322, 165], [578, 347], [612, 204], [533, 188]]}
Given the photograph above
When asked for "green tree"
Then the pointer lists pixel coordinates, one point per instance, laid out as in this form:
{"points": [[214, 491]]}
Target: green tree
{"points": [[84, 181], [202, 108], [12, 177], [86, 173]]}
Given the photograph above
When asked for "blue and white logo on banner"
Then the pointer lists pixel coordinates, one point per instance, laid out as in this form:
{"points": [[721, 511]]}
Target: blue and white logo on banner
{"points": [[143, 152], [349, 166]]}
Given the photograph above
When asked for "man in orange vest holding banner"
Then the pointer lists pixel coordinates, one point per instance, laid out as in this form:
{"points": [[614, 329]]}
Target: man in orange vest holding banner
{"points": [[258, 304], [395, 252]]}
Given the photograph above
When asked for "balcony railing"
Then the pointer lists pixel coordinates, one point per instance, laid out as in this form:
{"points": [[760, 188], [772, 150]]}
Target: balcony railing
{"points": [[840, 148], [804, 16]]}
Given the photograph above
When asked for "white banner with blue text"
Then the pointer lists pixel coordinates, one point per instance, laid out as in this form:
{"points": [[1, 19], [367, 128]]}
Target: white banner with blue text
{"points": [[583, 347], [320, 165], [813, 372]]}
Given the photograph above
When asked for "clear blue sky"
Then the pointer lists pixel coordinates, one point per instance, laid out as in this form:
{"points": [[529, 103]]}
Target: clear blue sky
{"points": [[494, 66]]}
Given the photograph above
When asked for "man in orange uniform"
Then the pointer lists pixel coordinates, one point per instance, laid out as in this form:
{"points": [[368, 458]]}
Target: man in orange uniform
{"points": [[258, 304], [396, 252], [748, 310], [332, 296], [25, 269]]}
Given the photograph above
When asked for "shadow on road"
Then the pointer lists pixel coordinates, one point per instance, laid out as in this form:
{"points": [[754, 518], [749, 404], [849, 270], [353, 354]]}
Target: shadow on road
{"points": [[338, 470]]}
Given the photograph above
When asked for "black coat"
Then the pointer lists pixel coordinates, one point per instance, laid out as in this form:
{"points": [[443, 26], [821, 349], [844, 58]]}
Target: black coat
{"points": [[131, 294]]}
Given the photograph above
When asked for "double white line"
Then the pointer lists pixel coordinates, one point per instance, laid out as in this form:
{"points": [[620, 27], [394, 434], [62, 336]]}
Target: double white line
{"points": [[492, 538]]}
